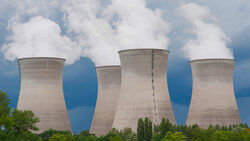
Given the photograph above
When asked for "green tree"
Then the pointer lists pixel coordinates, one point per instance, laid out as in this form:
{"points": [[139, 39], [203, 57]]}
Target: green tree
{"points": [[16, 125], [140, 130], [156, 128], [126, 134], [246, 125], [85, 133], [5, 120], [224, 128], [220, 135], [131, 137], [115, 138], [150, 130], [197, 134], [85, 138], [245, 134], [230, 127], [24, 121], [146, 129], [62, 137], [49, 133], [217, 127], [107, 137], [165, 127], [156, 137], [208, 134], [4, 104], [178, 136]]}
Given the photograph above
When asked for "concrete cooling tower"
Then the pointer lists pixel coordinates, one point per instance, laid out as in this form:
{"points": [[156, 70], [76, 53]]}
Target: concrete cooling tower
{"points": [[41, 91], [144, 89], [109, 80], [213, 100]]}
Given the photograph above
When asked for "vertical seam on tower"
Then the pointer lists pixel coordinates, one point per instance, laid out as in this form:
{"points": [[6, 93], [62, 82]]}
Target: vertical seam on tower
{"points": [[153, 88]]}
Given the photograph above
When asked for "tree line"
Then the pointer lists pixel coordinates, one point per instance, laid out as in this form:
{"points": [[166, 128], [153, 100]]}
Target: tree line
{"points": [[18, 125]]}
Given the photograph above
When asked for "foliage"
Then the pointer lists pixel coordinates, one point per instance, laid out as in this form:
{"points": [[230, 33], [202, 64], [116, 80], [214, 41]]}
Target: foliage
{"points": [[115, 138], [62, 137], [148, 129], [85, 133], [178, 136], [109, 136], [245, 134], [125, 134], [24, 121], [140, 130], [165, 127], [85, 138], [156, 137], [49, 133], [4, 105], [144, 130], [17, 125], [221, 135], [5, 120]]}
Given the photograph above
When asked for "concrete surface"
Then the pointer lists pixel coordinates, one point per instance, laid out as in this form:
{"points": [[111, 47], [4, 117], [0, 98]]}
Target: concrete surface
{"points": [[213, 99], [109, 82], [41, 91], [144, 88]]}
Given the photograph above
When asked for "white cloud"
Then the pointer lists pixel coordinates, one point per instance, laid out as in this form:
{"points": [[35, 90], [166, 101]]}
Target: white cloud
{"points": [[230, 13], [29, 8], [210, 41], [39, 37], [102, 31], [92, 32], [137, 26]]}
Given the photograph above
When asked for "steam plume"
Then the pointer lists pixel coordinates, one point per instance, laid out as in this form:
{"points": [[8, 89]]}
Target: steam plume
{"points": [[92, 32], [211, 41], [137, 26], [39, 37], [122, 25], [96, 31]]}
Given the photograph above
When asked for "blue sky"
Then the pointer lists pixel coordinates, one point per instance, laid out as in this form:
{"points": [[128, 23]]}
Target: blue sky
{"points": [[80, 81]]}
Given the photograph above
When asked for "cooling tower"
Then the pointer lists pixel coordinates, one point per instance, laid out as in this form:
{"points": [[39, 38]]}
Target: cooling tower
{"points": [[109, 82], [41, 91], [144, 90], [213, 100]]}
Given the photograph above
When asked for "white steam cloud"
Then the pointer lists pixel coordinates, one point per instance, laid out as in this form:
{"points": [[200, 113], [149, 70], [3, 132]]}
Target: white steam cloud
{"points": [[123, 24], [32, 8], [136, 25], [39, 37], [91, 31], [211, 41]]}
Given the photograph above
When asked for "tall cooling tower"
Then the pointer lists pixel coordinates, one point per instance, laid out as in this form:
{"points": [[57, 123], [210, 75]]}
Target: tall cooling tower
{"points": [[41, 91], [213, 100], [109, 82], [144, 89]]}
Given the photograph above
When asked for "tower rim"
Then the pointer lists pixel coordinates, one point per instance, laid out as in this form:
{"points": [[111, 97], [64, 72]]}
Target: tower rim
{"points": [[108, 66], [212, 59], [143, 49], [44, 58]]}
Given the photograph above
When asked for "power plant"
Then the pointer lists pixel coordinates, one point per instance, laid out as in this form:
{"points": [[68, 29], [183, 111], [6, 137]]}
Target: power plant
{"points": [[136, 89], [144, 89], [41, 91], [213, 99], [109, 82]]}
